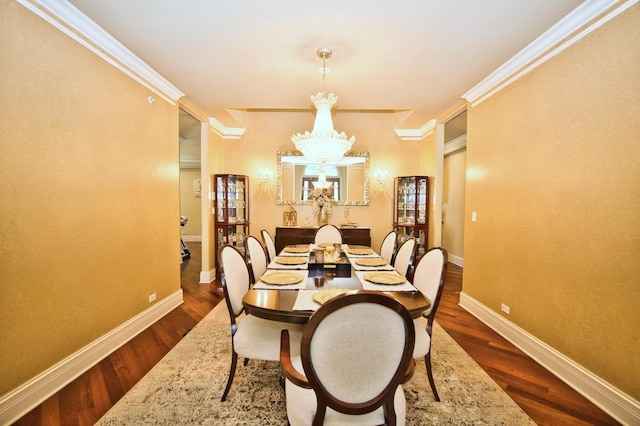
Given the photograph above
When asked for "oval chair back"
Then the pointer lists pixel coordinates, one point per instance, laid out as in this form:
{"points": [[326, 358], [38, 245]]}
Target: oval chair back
{"points": [[337, 362], [269, 244], [388, 247], [256, 257], [404, 257], [328, 234]]}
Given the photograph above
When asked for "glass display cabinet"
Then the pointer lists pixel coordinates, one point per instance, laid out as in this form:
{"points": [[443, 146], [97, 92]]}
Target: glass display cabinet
{"points": [[411, 210], [230, 211]]}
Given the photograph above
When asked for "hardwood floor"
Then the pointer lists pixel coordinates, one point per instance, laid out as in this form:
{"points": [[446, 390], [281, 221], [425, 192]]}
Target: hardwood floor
{"points": [[546, 399]]}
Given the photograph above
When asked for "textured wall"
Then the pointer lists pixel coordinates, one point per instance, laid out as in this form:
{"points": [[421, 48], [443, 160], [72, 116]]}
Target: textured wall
{"points": [[552, 173], [88, 197]]}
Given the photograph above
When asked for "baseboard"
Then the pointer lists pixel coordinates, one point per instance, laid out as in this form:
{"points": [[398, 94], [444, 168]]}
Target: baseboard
{"points": [[616, 403], [31, 394], [192, 238], [456, 260], [207, 277]]}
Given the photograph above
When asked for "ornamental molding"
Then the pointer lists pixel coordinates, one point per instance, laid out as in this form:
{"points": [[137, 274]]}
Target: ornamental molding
{"points": [[65, 17], [584, 19]]}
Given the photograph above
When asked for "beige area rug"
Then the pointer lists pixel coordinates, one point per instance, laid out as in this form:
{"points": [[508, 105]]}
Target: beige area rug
{"points": [[186, 385]]}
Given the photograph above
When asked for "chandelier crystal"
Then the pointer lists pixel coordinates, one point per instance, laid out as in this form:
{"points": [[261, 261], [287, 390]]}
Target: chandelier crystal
{"points": [[323, 144]]}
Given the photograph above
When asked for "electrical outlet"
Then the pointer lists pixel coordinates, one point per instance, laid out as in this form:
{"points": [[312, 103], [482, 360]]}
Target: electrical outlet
{"points": [[474, 216], [152, 297], [505, 308]]}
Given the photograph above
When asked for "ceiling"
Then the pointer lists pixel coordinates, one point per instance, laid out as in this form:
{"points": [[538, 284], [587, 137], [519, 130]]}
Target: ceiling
{"points": [[418, 56]]}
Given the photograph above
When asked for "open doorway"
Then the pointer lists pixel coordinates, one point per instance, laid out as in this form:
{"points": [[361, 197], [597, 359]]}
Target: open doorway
{"points": [[190, 184], [454, 180]]}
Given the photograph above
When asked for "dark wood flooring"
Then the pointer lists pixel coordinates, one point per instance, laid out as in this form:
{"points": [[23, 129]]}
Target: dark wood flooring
{"points": [[546, 399]]}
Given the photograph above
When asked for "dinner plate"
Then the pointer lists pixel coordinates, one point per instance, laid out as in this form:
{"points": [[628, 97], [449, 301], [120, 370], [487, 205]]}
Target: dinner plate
{"points": [[296, 249], [329, 293], [371, 261], [290, 260], [360, 251], [387, 278], [281, 278], [325, 245]]}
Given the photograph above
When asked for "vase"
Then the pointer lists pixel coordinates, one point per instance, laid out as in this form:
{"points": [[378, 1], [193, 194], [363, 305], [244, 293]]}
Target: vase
{"points": [[323, 219]]}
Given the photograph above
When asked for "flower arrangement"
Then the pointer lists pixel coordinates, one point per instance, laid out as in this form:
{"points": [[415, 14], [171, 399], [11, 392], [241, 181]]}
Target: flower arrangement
{"points": [[321, 203]]}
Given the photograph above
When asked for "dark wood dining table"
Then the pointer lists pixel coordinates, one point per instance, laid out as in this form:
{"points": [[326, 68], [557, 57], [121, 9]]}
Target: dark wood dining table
{"points": [[276, 304]]}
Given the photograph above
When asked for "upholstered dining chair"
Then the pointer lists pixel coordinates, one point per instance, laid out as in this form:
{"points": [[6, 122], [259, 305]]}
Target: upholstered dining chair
{"points": [[328, 233], [355, 354], [403, 260], [388, 246], [269, 244], [256, 258], [251, 337], [428, 277]]}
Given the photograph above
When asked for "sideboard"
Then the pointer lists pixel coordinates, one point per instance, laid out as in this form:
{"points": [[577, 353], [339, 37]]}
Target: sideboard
{"points": [[295, 235]]}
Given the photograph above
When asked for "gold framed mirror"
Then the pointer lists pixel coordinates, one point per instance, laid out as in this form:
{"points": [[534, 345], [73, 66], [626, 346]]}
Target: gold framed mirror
{"points": [[347, 179]]}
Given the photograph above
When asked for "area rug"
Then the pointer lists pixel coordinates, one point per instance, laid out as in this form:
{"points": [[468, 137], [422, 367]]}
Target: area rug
{"points": [[186, 385]]}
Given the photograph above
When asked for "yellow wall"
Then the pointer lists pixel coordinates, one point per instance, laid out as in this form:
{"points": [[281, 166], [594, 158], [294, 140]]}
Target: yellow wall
{"points": [[268, 132], [88, 197], [553, 174]]}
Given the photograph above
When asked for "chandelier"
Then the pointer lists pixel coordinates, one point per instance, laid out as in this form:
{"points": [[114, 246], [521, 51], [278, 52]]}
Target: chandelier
{"points": [[323, 144]]}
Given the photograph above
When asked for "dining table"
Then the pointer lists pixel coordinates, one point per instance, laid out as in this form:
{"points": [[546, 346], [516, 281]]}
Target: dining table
{"points": [[319, 269]]}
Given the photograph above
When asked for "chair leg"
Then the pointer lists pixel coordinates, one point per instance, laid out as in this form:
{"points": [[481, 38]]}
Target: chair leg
{"points": [[232, 372], [427, 362]]}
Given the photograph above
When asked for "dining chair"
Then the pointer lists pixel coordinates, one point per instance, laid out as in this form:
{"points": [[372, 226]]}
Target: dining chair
{"points": [[251, 337], [269, 244], [429, 277], [328, 233], [404, 257], [332, 380], [388, 246], [256, 258]]}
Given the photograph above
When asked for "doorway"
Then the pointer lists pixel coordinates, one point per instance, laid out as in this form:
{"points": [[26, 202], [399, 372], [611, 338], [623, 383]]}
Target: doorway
{"points": [[454, 180], [190, 179]]}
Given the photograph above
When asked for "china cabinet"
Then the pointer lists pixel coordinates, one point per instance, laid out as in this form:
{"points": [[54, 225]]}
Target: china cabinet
{"points": [[411, 210], [230, 211]]}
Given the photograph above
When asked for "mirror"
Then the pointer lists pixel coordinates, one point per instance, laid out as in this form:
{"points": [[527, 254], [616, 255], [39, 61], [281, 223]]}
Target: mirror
{"points": [[347, 179]]}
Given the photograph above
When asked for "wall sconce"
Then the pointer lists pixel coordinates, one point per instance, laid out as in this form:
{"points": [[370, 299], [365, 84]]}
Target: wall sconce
{"points": [[381, 178], [264, 176]]}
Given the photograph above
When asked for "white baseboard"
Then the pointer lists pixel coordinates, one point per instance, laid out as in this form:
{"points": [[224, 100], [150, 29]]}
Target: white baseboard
{"points": [[456, 260], [29, 395], [616, 403], [192, 238], [207, 277]]}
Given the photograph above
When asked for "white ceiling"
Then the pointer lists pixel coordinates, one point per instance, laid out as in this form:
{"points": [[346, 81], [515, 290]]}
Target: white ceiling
{"points": [[418, 56]]}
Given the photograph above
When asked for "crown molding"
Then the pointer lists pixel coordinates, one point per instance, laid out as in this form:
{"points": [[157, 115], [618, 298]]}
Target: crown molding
{"points": [[417, 134], [65, 17], [455, 145], [576, 25], [225, 132]]}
